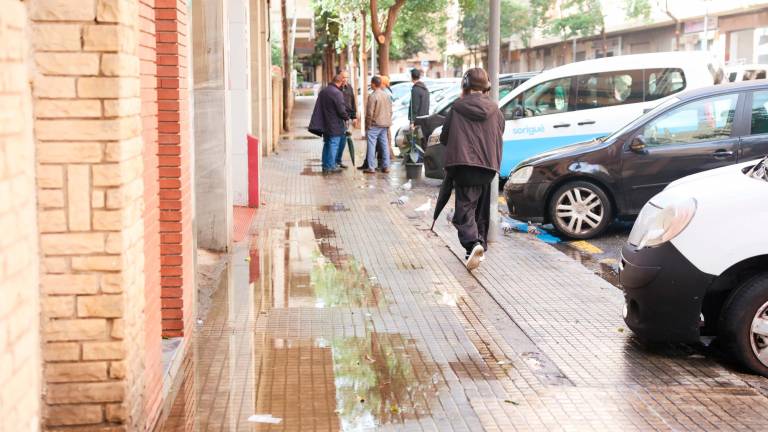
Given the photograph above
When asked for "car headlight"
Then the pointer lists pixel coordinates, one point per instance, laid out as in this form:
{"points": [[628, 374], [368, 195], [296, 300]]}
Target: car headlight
{"points": [[521, 176], [433, 139], [660, 222]]}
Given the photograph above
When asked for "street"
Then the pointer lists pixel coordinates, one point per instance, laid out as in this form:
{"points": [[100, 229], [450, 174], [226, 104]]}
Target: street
{"points": [[341, 310]]}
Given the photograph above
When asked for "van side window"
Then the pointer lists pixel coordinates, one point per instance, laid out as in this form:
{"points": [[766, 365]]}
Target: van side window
{"points": [[551, 97], [660, 83], [759, 113], [609, 89], [702, 120]]}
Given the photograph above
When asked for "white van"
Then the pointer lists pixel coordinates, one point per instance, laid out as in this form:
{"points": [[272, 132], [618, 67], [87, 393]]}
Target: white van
{"points": [[696, 263], [585, 100]]}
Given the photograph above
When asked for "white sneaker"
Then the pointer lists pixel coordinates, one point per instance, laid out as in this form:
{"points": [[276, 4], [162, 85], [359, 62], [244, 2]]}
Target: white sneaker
{"points": [[475, 257]]}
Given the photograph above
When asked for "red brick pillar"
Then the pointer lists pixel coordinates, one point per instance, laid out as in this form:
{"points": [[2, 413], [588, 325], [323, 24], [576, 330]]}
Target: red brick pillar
{"points": [[147, 54], [177, 273]]}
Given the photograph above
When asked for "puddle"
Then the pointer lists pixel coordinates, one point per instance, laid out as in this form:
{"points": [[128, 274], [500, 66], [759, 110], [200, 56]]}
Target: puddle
{"points": [[303, 269], [247, 359]]}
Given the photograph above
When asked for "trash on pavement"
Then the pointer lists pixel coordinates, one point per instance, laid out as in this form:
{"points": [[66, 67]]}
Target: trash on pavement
{"points": [[264, 418], [424, 207], [406, 186], [401, 200]]}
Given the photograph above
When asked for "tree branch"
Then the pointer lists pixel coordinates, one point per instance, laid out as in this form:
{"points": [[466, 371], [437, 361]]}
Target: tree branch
{"points": [[375, 27], [392, 14]]}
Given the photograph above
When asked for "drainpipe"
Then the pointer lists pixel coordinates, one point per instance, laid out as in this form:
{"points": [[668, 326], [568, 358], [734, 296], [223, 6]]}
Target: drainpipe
{"points": [[677, 25]]}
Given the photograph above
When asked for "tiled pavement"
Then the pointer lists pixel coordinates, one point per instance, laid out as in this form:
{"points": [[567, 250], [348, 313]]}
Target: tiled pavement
{"points": [[343, 312]]}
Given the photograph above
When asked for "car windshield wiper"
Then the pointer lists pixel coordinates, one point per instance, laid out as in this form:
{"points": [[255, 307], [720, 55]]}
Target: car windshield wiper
{"points": [[760, 171]]}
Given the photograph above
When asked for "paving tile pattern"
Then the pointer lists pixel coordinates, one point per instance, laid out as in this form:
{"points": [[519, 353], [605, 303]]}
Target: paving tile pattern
{"points": [[342, 311]]}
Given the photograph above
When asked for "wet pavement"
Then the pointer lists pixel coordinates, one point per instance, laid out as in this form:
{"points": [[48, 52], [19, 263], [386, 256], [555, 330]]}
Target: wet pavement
{"points": [[341, 311]]}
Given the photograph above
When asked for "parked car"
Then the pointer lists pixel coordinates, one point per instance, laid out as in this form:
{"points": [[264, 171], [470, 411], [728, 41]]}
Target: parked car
{"points": [[433, 156], [593, 98], [746, 72], [438, 89], [696, 263], [581, 188]]}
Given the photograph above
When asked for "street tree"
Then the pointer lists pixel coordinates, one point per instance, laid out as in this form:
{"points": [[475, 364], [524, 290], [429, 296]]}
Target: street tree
{"points": [[638, 9], [473, 26], [579, 18]]}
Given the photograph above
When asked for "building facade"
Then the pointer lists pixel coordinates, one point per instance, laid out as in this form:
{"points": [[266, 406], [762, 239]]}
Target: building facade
{"points": [[98, 200]]}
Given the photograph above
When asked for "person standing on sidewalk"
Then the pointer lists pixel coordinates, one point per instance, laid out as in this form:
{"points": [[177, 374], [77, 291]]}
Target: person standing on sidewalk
{"points": [[328, 119], [472, 133], [419, 105], [351, 104], [378, 117]]}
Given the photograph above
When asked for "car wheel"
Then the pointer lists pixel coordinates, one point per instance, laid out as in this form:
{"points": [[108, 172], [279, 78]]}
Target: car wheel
{"points": [[744, 324], [580, 210]]}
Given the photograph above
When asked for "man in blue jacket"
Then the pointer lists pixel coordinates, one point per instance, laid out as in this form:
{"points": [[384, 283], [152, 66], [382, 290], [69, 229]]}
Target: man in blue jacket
{"points": [[328, 119]]}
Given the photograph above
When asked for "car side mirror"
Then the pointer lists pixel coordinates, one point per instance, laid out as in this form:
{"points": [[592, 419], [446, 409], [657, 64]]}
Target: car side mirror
{"points": [[638, 145]]}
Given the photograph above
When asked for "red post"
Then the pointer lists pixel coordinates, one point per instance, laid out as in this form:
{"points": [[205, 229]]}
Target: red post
{"points": [[253, 171]]}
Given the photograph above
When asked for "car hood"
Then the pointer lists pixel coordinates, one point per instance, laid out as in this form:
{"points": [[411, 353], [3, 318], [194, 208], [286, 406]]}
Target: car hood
{"points": [[713, 175], [565, 152]]}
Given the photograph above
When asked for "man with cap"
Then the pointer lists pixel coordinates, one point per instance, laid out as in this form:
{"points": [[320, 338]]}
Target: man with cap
{"points": [[472, 133]]}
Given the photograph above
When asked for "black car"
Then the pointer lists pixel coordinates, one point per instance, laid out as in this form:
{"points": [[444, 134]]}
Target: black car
{"points": [[433, 156], [582, 188]]}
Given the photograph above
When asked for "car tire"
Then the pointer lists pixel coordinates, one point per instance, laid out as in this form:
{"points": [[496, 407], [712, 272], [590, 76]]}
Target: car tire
{"points": [[580, 210], [738, 319]]}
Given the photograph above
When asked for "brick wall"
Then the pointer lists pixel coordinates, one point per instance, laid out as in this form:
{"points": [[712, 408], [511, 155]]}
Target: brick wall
{"points": [[90, 184], [147, 51], [175, 191], [19, 296]]}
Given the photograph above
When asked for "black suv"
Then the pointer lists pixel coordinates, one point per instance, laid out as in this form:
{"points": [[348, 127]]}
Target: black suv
{"points": [[582, 188]]}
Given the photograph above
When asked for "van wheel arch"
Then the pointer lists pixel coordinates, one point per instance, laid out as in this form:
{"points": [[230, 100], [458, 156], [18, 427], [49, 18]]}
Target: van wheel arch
{"points": [[724, 286]]}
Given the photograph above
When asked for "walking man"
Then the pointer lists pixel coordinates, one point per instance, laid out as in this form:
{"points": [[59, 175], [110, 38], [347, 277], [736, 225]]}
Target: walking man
{"points": [[351, 104], [472, 134], [378, 118], [327, 120], [419, 97]]}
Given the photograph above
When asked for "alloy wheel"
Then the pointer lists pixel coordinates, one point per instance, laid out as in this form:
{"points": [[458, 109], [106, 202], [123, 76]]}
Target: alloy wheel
{"points": [[759, 334], [579, 210]]}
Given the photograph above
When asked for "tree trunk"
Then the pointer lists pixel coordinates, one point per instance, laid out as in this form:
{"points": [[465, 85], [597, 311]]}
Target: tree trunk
{"points": [[383, 57], [287, 73], [363, 63], [605, 41], [528, 64]]}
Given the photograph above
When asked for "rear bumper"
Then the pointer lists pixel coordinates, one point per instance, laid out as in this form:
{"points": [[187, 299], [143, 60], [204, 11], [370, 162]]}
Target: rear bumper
{"points": [[663, 293]]}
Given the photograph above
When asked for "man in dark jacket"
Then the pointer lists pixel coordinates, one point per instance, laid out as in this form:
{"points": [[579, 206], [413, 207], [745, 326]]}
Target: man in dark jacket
{"points": [[472, 134], [419, 97], [328, 119], [351, 103]]}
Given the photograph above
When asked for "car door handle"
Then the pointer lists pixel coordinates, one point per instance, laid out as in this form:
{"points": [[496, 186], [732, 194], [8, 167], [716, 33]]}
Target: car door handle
{"points": [[586, 122], [560, 125], [722, 154]]}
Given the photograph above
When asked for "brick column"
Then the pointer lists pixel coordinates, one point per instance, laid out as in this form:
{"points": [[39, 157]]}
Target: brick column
{"points": [[19, 295], [89, 153], [177, 272]]}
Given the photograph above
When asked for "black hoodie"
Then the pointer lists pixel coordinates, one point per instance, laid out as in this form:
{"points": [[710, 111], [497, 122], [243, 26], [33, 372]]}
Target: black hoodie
{"points": [[472, 133], [419, 101]]}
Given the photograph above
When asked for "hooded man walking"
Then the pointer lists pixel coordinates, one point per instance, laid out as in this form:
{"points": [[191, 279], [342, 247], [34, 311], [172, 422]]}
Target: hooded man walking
{"points": [[472, 134], [328, 119]]}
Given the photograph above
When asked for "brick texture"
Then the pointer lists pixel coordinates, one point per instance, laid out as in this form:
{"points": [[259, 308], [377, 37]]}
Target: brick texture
{"points": [[148, 107], [90, 183], [174, 167], [19, 296]]}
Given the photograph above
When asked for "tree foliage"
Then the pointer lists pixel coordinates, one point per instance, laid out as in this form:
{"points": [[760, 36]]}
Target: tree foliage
{"points": [[638, 9], [580, 18]]}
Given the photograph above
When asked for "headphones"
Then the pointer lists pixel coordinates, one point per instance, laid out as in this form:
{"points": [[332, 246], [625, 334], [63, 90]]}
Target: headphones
{"points": [[465, 80]]}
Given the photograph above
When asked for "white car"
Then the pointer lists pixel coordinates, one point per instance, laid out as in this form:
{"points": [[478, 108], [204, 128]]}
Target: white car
{"points": [[745, 72], [585, 100], [696, 263]]}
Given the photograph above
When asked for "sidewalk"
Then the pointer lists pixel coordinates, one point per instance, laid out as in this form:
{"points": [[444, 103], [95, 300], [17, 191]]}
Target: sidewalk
{"points": [[341, 311]]}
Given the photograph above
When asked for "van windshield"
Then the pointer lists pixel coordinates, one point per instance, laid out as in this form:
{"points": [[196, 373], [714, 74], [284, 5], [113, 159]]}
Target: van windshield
{"points": [[642, 119]]}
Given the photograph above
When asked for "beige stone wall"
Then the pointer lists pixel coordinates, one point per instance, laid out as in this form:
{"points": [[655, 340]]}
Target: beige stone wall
{"points": [[90, 187], [19, 296]]}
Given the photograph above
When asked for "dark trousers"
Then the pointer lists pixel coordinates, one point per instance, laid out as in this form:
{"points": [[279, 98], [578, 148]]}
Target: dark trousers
{"points": [[473, 214]]}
